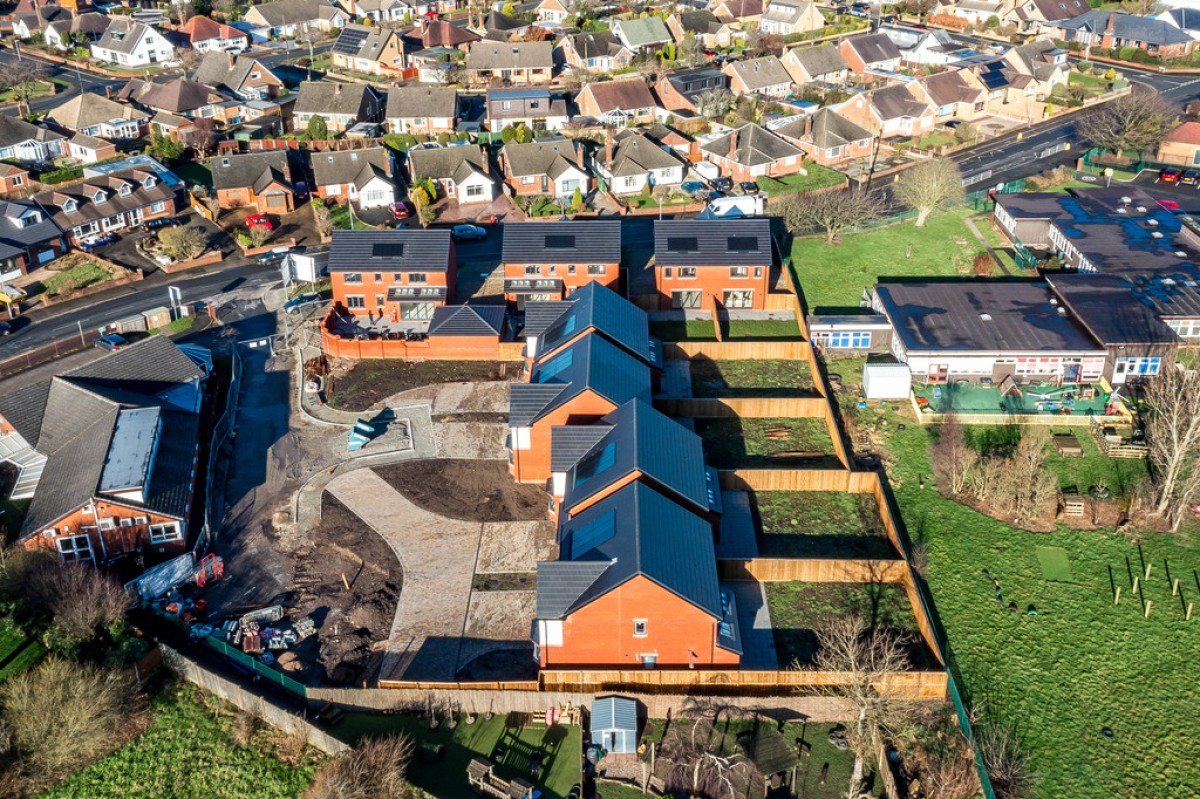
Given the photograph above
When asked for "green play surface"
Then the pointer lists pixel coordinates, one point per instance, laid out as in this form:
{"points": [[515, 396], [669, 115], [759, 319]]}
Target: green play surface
{"points": [[1056, 566]]}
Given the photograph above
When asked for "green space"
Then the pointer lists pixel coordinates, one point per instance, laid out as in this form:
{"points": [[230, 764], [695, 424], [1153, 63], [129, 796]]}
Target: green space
{"points": [[1036, 400], [1083, 663], [751, 378], [18, 651], [818, 177], [42, 89], [194, 173], [834, 277], [691, 330], [193, 749], [798, 609], [644, 201], [79, 274], [932, 140], [760, 328], [445, 774], [820, 524], [1119, 475], [767, 443], [1088, 81], [343, 219], [177, 326]]}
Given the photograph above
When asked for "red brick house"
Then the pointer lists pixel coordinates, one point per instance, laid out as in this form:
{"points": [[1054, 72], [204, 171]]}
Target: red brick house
{"points": [[751, 152], [401, 275], [263, 180], [13, 179], [828, 138], [545, 261], [1115, 29], [699, 262], [105, 203]]}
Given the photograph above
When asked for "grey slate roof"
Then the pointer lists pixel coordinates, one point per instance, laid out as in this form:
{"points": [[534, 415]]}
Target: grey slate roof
{"points": [[510, 55], [893, 102], [643, 31], [87, 210], [1129, 27], [591, 363], [216, 71], [1186, 19], [22, 237], [725, 242], [346, 166], [122, 35], [349, 99], [569, 443], [600, 44], [247, 169], [595, 307], [821, 60], [390, 251], [651, 536], [950, 317], [635, 155], [562, 242], [829, 129], [406, 102], [550, 157], [14, 131], [699, 22], [1113, 310], [467, 320], [539, 315], [442, 163], [755, 146], [760, 73], [874, 47]]}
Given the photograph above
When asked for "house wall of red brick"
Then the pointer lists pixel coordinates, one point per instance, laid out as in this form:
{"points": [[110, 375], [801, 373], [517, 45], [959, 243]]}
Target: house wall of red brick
{"points": [[242, 197], [572, 282], [713, 281], [601, 633], [375, 285], [532, 465], [110, 543], [852, 59]]}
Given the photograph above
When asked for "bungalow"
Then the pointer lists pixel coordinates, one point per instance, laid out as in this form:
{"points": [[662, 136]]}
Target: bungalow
{"points": [[26, 26], [986, 329], [595, 52], [206, 35], [109, 455], [1181, 146], [547, 261], [978, 12], [710, 31], [635, 586], [287, 18], [178, 96], [891, 111], [422, 110], [641, 33], [749, 152], [678, 91], [827, 137], [360, 176], [96, 115], [1114, 29], [439, 33], [791, 17], [103, 203], [381, 11], [764, 77], [933, 47], [84, 149], [29, 143], [955, 95], [460, 172], [515, 62], [129, 43], [553, 167], [637, 162], [746, 12], [576, 384], [554, 12], [1185, 19], [63, 34], [724, 262], [28, 237], [618, 102], [238, 76], [402, 275], [341, 105], [1041, 17], [372, 51], [532, 107], [874, 52], [263, 180], [820, 64]]}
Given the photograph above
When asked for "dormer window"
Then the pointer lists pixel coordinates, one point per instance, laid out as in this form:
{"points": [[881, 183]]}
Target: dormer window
{"points": [[125, 190], [70, 205], [149, 182], [99, 197]]}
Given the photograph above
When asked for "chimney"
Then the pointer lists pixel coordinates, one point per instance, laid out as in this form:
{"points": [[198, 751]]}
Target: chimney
{"points": [[733, 137], [1111, 27], [580, 155], [608, 148], [808, 122], [337, 89], [108, 91]]}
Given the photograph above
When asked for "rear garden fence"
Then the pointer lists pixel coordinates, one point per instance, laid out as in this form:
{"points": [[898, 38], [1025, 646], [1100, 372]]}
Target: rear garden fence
{"points": [[214, 506], [257, 669]]}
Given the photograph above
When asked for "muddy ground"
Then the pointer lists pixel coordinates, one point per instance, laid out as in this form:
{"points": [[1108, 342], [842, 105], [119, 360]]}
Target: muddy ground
{"points": [[471, 490], [370, 381]]}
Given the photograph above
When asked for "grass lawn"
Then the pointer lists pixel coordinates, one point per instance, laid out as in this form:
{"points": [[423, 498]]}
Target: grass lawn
{"points": [[344, 220], [834, 277], [18, 651], [189, 751], [798, 609], [1120, 475], [448, 776], [743, 443], [761, 328], [1090, 81], [43, 89], [177, 326], [1081, 664], [750, 378], [193, 173], [818, 177], [931, 140], [81, 275], [820, 524], [692, 330], [642, 201]]}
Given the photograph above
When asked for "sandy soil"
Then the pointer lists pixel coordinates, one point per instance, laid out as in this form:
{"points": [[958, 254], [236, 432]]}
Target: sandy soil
{"points": [[474, 491], [512, 547]]}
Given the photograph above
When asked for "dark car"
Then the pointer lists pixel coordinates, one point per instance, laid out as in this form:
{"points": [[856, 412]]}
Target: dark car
{"points": [[842, 10], [111, 342], [748, 187], [158, 224], [467, 233], [301, 190], [723, 184], [1170, 175], [693, 186], [1190, 177], [889, 19], [713, 195], [302, 301], [97, 242]]}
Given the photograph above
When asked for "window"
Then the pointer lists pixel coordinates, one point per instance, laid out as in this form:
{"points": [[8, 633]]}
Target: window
{"points": [[356, 301], [378, 300], [739, 298], [420, 121], [127, 522], [418, 277], [533, 270], [378, 277], [142, 519], [686, 300], [17, 180], [107, 523], [475, 191], [639, 628], [571, 269], [164, 533], [506, 105], [352, 277], [1138, 366], [158, 207], [595, 269], [75, 549], [846, 340], [527, 179], [629, 182], [687, 271], [554, 269], [1185, 328], [649, 661], [99, 198], [416, 310], [739, 271]]}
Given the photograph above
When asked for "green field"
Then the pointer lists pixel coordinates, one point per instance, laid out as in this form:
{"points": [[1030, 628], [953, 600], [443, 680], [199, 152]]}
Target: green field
{"points": [[769, 378], [344, 220], [745, 443], [818, 177], [446, 777], [692, 330], [1082, 663], [189, 751], [834, 277], [760, 328]]}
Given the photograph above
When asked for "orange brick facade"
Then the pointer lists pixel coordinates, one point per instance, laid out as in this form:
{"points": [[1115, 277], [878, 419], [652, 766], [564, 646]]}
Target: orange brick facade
{"points": [[363, 293], [695, 288], [282, 202], [532, 464], [602, 633], [572, 276]]}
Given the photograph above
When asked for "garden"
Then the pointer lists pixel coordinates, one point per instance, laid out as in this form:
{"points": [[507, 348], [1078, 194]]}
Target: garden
{"points": [[818, 177], [76, 271], [731, 329], [767, 443], [767, 378], [820, 524], [371, 380]]}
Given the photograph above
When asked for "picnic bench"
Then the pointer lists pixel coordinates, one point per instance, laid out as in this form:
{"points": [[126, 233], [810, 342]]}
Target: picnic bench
{"points": [[483, 780], [1067, 445]]}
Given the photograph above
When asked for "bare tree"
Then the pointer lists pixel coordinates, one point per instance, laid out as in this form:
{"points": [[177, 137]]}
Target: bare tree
{"points": [[323, 220], [226, 8], [714, 102], [953, 455], [259, 235], [1008, 766], [1136, 121], [868, 657], [830, 212], [951, 776], [24, 79], [928, 186], [1173, 436], [373, 769], [699, 768], [1016, 486], [690, 53]]}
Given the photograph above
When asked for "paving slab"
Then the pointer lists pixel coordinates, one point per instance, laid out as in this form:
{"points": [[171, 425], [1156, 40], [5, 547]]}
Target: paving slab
{"points": [[754, 623], [737, 540]]}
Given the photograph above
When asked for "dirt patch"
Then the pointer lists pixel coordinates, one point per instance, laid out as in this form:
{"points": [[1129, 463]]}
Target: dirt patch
{"points": [[349, 623], [371, 380], [474, 491], [514, 547]]}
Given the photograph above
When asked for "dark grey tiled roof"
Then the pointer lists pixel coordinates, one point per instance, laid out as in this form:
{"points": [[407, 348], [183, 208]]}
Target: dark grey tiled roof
{"points": [[343, 166], [595, 307], [540, 315], [874, 47], [467, 320], [241, 171], [755, 146], [149, 367], [10, 233], [510, 55], [1113, 310], [595, 242], [363, 103], [740, 242], [821, 60], [23, 409], [829, 129], [569, 443], [893, 102], [596, 45], [171, 471], [550, 157], [560, 583], [635, 155], [14, 131], [390, 251], [441, 163], [1128, 27], [406, 102]]}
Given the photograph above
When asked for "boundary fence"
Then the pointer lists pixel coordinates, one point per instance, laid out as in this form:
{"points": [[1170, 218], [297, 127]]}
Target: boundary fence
{"points": [[214, 505]]}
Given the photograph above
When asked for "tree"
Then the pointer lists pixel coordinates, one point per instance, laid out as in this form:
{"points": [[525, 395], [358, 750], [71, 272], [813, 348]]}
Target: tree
{"points": [[828, 211], [1173, 435], [1136, 121], [690, 53], [322, 219], [259, 235], [64, 713], [25, 80], [165, 148], [227, 9], [182, 243], [928, 185], [868, 657], [372, 770], [1007, 764], [577, 200], [714, 102], [954, 454], [317, 129]]}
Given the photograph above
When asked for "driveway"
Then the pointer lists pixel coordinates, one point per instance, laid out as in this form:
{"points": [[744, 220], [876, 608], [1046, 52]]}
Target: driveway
{"points": [[124, 251]]}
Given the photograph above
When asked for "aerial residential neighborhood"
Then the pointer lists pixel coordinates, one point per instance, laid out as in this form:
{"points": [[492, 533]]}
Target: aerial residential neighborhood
{"points": [[564, 399]]}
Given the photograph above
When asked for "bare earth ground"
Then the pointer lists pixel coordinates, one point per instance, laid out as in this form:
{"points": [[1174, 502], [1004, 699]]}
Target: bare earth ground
{"points": [[359, 385], [479, 491]]}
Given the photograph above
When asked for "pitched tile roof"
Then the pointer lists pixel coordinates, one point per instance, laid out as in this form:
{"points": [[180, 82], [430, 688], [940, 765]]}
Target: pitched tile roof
{"points": [[620, 95], [14, 130], [755, 146], [946, 88], [247, 169], [323, 97], [642, 31], [442, 163], [893, 102], [874, 47], [406, 102], [699, 22], [440, 33], [726, 242], [829, 129], [1128, 27], [201, 28], [599, 309], [510, 55], [580, 242], [467, 320], [390, 251], [56, 200], [85, 110], [175, 96], [600, 44], [636, 154], [346, 166], [550, 157], [759, 73], [821, 60]]}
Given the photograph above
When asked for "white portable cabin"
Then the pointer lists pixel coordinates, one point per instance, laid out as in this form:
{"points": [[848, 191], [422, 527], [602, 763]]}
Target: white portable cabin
{"points": [[887, 381]]}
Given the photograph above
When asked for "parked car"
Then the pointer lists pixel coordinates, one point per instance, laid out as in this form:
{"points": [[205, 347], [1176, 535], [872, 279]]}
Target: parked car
{"points": [[1170, 175], [1190, 177], [401, 210], [301, 190], [302, 301], [713, 195], [842, 10], [13, 326], [693, 186], [111, 342], [1169, 205], [158, 224], [260, 220], [467, 233], [859, 12], [723, 184], [748, 187], [888, 19], [96, 242]]}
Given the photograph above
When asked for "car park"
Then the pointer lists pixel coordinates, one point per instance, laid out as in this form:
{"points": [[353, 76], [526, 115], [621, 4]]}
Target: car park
{"points": [[1170, 175], [1190, 177], [259, 220], [467, 233], [111, 342]]}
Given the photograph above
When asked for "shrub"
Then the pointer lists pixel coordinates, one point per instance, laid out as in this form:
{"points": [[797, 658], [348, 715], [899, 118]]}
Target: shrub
{"points": [[241, 237], [1127, 53], [375, 768], [182, 243], [1084, 67], [982, 265]]}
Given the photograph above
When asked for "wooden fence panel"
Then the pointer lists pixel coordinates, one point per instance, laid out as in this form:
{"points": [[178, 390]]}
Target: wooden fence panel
{"points": [[748, 408], [738, 350], [908, 684], [785, 480], [813, 570]]}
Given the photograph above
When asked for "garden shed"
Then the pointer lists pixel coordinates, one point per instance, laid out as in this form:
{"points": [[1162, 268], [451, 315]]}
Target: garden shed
{"points": [[886, 381], [614, 724]]}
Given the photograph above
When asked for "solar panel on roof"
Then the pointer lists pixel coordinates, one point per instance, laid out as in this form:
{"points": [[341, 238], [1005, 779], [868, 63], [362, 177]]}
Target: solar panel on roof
{"points": [[742, 244], [593, 534], [387, 249], [350, 41], [555, 366], [560, 242], [683, 244]]}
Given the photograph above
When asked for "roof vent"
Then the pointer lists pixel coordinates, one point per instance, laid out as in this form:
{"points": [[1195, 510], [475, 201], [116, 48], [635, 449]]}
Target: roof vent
{"points": [[1127, 200], [987, 317], [1156, 234], [1054, 300], [1062, 311], [1152, 222], [1141, 209], [1122, 210], [1180, 254], [1168, 281]]}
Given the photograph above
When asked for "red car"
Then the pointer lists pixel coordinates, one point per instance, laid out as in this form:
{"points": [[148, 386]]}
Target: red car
{"points": [[401, 210], [1169, 205], [1170, 175], [259, 220]]}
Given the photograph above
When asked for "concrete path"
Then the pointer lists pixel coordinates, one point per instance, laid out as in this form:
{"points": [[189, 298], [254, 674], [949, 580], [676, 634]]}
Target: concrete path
{"points": [[676, 379], [754, 623], [984, 243], [738, 539]]}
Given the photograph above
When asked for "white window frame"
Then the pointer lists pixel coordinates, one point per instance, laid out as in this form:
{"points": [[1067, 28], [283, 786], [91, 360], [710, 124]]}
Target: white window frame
{"points": [[640, 628], [165, 533]]}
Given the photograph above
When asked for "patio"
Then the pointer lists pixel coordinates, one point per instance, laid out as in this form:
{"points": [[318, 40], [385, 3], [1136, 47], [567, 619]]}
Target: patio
{"points": [[375, 326], [1035, 399]]}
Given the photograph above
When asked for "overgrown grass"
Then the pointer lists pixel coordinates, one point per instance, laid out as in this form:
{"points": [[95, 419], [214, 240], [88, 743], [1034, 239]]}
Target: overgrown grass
{"points": [[177, 326], [750, 378], [82, 275], [818, 177], [18, 651], [821, 524], [692, 330], [744, 443], [189, 750]]}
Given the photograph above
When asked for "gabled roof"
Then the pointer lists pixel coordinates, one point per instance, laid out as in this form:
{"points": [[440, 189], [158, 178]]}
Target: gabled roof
{"points": [[1186, 133], [390, 251], [123, 34], [324, 97], [594, 307], [85, 110], [755, 146], [82, 194], [592, 363], [247, 169], [550, 157], [25, 234], [175, 96], [439, 33], [725, 242], [759, 73], [361, 41], [599, 44], [292, 12], [946, 88], [467, 320], [894, 102], [201, 28], [1055, 10], [829, 129], [635, 532], [225, 73], [510, 55], [14, 130], [821, 60], [642, 31], [343, 166], [570, 442], [636, 154], [699, 22], [739, 8], [1186, 19], [620, 95], [873, 48], [788, 12], [442, 163], [406, 102], [1128, 27]]}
